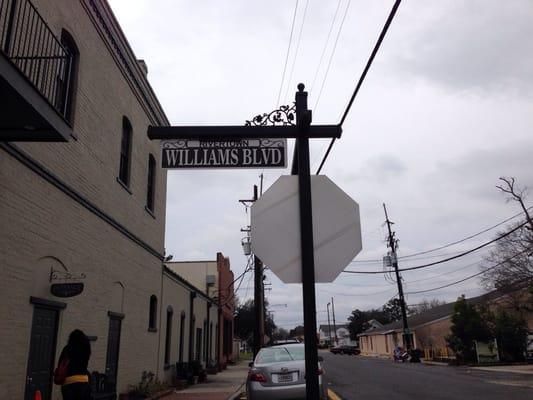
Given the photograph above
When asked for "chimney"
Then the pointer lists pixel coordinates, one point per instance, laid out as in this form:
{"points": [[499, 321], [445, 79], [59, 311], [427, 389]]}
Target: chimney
{"points": [[143, 66]]}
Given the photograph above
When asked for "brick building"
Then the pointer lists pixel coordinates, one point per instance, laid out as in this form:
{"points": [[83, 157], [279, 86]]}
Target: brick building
{"points": [[82, 202], [215, 279]]}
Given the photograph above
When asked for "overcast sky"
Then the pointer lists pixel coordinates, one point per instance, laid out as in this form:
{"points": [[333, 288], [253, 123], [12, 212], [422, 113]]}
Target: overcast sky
{"points": [[445, 110]]}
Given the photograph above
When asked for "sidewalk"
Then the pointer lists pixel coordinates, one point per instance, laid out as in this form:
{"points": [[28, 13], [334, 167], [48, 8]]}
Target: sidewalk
{"points": [[217, 387], [516, 369]]}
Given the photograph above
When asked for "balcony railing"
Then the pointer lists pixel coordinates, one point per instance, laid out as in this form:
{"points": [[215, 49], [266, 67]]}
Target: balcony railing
{"points": [[29, 43]]}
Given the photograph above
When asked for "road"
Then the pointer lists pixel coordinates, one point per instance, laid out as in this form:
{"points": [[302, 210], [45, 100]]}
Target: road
{"points": [[356, 377]]}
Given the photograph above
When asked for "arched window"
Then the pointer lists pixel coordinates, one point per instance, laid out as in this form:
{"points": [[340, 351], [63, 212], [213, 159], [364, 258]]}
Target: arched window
{"points": [[152, 320], [67, 76], [182, 333], [150, 186], [168, 337], [125, 153]]}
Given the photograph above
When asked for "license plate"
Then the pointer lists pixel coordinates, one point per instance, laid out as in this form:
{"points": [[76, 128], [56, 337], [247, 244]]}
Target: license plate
{"points": [[285, 377]]}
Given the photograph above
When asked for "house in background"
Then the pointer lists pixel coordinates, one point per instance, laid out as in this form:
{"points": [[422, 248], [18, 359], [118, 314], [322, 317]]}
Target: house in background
{"points": [[326, 335], [431, 327]]}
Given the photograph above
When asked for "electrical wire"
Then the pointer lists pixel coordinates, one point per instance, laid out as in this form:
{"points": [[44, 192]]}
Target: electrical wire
{"points": [[331, 56], [449, 244], [325, 45], [288, 52], [362, 77], [446, 259], [471, 276], [297, 49]]}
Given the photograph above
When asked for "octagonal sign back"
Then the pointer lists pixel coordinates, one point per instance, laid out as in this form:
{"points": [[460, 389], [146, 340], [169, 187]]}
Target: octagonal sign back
{"points": [[276, 229]]}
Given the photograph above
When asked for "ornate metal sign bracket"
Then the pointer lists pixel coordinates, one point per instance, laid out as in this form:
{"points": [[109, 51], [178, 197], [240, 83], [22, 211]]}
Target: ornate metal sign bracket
{"points": [[56, 275]]}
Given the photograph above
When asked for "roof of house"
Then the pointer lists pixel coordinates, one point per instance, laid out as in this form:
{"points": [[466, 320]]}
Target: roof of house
{"points": [[325, 328], [431, 315]]}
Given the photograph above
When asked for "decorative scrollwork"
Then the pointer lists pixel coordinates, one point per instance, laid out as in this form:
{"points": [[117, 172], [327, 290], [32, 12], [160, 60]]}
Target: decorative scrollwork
{"points": [[65, 275], [284, 115]]}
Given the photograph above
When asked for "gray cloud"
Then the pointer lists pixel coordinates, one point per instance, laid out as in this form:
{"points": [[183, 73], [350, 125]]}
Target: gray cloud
{"points": [[480, 46]]}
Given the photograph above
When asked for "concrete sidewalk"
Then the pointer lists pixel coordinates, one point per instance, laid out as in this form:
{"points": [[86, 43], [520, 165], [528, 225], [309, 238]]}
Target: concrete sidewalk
{"points": [[221, 386], [515, 369]]}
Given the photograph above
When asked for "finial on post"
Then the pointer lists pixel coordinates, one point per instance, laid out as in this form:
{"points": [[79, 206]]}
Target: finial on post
{"points": [[303, 114]]}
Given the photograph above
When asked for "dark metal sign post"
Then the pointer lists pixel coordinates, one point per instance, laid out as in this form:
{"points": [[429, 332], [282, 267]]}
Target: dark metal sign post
{"points": [[303, 121], [258, 128]]}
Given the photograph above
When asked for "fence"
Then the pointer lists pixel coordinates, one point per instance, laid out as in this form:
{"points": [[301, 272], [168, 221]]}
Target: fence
{"points": [[28, 42]]}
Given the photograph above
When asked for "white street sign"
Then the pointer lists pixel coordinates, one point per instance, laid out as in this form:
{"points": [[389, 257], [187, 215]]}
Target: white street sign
{"points": [[276, 229]]}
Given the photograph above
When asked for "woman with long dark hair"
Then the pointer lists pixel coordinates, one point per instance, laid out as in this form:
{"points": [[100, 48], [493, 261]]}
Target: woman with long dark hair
{"points": [[71, 372]]}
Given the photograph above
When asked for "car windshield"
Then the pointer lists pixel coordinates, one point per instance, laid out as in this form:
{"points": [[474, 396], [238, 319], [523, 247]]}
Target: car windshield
{"points": [[280, 354]]}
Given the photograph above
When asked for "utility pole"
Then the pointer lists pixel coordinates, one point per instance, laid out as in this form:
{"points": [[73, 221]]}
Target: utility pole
{"points": [[334, 326], [303, 122], [259, 331], [329, 327], [259, 312], [407, 337]]}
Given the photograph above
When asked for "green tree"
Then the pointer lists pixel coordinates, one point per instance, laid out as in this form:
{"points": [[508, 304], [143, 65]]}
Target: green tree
{"points": [[359, 320], [468, 324], [393, 310], [297, 331], [244, 322], [510, 332]]}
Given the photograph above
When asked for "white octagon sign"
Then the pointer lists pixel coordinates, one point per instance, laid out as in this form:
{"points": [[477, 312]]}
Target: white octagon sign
{"points": [[276, 229]]}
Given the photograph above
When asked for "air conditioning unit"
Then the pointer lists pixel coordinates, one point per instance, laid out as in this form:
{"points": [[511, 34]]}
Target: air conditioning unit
{"points": [[210, 279]]}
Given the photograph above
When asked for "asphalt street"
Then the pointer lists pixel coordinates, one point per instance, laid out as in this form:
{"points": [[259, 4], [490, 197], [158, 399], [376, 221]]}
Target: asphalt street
{"points": [[356, 377]]}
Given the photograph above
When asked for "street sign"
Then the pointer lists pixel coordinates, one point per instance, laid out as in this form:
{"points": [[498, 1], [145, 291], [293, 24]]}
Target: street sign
{"points": [[275, 229], [66, 289], [224, 153]]}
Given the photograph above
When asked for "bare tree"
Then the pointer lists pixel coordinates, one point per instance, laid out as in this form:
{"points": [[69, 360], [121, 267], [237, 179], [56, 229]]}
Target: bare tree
{"points": [[425, 305], [509, 265], [516, 194]]}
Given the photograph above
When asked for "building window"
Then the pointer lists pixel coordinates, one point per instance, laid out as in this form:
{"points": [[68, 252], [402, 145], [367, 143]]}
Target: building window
{"points": [[150, 186], [170, 312], [182, 333], [67, 76], [125, 153], [198, 344], [152, 320], [206, 336]]}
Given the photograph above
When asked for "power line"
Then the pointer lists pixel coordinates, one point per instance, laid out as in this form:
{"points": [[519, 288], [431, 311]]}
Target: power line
{"points": [[446, 259], [297, 49], [332, 55], [288, 52], [363, 75], [377, 261], [471, 276], [325, 45], [449, 244]]}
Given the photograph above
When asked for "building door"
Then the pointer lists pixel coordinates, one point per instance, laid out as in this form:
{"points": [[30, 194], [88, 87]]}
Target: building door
{"points": [[113, 346], [199, 344], [42, 352]]}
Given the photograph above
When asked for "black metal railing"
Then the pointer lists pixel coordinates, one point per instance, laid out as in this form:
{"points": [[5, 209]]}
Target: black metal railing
{"points": [[29, 43]]}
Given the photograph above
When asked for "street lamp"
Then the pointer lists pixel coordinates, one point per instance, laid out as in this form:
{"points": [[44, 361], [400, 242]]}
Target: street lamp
{"points": [[246, 245]]}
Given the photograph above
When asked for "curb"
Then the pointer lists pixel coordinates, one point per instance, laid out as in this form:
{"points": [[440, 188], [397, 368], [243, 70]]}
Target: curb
{"points": [[237, 394], [332, 395]]}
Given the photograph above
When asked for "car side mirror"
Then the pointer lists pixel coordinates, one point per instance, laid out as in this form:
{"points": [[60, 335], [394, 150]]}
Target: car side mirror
{"points": [[320, 358], [251, 364]]}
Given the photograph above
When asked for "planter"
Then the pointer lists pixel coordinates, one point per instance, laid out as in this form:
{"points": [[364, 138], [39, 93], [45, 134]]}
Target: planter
{"points": [[161, 394], [180, 384]]}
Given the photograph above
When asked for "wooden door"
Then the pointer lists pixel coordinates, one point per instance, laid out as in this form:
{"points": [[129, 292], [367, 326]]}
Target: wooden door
{"points": [[113, 346], [42, 353]]}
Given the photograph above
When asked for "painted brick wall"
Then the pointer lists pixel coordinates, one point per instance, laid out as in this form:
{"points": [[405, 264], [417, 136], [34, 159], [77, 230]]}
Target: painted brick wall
{"points": [[46, 229]]}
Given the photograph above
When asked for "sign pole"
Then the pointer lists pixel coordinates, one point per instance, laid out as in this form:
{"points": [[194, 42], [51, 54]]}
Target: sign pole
{"points": [[303, 121]]}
